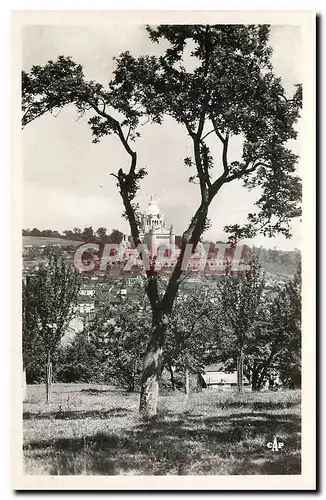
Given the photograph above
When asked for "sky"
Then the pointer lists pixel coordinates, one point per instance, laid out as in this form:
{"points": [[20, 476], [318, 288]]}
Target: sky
{"points": [[67, 180]]}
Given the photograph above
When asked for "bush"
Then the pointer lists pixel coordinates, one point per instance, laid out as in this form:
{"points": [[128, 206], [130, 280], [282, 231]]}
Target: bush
{"points": [[68, 373]]}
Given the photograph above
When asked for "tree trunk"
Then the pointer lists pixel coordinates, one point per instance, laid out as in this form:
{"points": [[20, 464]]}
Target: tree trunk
{"points": [[132, 378], [240, 372], [187, 383], [268, 362], [131, 386], [24, 384], [152, 371], [270, 383], [171, 377], [255, 384], [48, 380]]}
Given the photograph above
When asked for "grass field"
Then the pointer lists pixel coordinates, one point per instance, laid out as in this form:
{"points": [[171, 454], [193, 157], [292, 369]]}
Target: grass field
{"points": [[90, 429], [43, 240]]}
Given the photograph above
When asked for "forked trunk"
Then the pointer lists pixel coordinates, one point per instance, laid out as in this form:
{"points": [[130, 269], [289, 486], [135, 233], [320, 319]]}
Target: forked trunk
{"points": [[152, 371]]}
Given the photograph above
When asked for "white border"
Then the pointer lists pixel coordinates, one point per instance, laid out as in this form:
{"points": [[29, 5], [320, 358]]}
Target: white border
{"points": [[306, 481]]}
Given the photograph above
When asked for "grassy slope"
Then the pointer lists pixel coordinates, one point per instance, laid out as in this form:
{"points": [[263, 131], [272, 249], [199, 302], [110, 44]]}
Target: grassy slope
{"points": [[96, 430], [41, 240]]}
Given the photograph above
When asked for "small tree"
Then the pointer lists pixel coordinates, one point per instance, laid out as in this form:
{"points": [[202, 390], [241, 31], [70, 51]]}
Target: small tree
{"points": [[76, 360], [32, 347], [273, 341], [118, 336], [52, 292], [101, 233], [241, 300], [286, 329], [116, 236], [33, 350], [77, 233], [192, 333], [87, 234], [262, 345]]}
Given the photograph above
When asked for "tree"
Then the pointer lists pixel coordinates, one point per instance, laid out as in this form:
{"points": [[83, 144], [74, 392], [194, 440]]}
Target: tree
{"points": [[116, 236], [77, 361], [68, 234], [118, 335], [47, 233], [101, 233], [35, 232], [261, 346], [192, 332], [229, 92], [273, 342], [51, 294], [286, 325], [241, 297], [88, 234], [77, 233], [32, 343]]}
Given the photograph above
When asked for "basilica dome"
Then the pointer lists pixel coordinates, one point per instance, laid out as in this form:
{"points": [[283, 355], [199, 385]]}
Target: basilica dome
{"points": [[153, 208]]}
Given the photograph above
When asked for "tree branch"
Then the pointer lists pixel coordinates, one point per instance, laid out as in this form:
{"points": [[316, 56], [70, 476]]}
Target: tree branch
{"points": [[225, 153], [242, 172], [217, 132], [206, 135]]}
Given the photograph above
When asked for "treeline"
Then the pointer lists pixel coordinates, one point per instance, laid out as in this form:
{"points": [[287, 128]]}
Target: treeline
{"points": [[76, 234]]}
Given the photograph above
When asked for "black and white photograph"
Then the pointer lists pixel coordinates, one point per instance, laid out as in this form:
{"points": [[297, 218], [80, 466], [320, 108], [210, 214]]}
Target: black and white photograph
{"points": [[165, 228]]}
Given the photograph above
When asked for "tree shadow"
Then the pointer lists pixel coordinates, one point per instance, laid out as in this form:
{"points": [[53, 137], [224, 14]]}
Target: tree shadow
{"points": [[259, 405], [77, 415], [262, 422], [234, 444], [94, 392]]}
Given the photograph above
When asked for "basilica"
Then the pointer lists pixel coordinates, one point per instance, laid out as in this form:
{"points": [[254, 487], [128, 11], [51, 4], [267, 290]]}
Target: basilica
{"points": [[154, 231]]}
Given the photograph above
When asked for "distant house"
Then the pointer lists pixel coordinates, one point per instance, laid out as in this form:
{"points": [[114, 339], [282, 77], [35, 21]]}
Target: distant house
{"points": [[87, 291], [86, 307], [214, 377]]}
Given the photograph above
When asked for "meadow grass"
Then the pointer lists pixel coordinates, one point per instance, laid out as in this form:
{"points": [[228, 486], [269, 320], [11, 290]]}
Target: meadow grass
{"points": [[93, 429]]}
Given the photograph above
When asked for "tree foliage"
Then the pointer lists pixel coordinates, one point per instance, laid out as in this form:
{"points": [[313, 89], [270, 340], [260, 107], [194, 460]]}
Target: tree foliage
{"points": [[118, 336], [286, 321], [76, 361], [241, 297], [193, 329], [264, 323], [232, 91], [49, 299], [32, 344], [53, 290]]}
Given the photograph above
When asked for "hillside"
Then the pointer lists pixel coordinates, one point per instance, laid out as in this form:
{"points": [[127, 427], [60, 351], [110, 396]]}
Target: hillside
{"points": [[278, 262]]}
